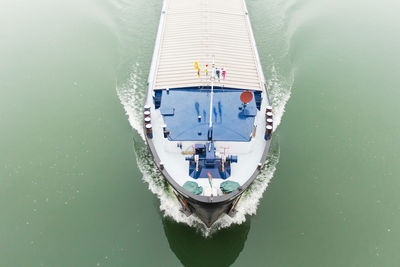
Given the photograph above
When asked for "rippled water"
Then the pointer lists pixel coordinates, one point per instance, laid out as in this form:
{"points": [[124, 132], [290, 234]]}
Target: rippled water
{"points": [[75, 174]]}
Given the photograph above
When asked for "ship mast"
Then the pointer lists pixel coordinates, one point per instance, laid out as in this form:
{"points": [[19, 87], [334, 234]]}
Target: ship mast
{"points": [[212, 78]]}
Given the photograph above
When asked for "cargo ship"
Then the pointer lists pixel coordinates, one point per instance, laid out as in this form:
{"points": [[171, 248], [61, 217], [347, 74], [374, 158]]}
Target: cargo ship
{"points": [[207, 118]]}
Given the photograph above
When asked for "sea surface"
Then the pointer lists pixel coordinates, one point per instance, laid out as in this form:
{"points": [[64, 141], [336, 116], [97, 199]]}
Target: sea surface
{"points": [[77, 184]]}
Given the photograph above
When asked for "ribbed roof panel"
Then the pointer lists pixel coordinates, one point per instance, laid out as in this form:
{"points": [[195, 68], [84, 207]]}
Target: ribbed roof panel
{"points": [[198, 30]]}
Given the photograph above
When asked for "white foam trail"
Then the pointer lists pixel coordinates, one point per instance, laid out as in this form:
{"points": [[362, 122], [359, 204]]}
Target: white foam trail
{"points": [[132, 96], [171, 207], [279, 90], [158, 185]]}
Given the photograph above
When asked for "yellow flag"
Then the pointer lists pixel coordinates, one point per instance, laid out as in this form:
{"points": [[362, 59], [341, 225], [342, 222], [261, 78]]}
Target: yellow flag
{"points": [[196, 65]]}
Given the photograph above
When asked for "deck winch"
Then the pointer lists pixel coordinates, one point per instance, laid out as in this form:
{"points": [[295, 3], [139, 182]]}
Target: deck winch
{"points": [[205, 161]]}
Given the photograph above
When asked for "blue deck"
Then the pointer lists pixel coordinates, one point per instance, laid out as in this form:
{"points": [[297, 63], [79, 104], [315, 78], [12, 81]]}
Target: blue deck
{"points": [[181, 108]]}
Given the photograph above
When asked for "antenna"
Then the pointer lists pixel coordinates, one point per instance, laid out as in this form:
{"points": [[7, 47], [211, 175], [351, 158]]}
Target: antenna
{"points": [[211, 99]]}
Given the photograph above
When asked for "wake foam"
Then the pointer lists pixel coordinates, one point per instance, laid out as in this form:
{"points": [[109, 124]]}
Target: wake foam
{"points": [[132, 98], [279, 90], [132, 95]]}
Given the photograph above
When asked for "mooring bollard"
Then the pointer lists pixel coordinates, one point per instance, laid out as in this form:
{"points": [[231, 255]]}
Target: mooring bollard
{"points": [[149, 130], [147, 120], [268, 132], [146, 113], [147, 108]]}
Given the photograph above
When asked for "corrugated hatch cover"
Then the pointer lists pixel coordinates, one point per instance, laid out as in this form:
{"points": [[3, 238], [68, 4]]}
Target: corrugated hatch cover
{"points": [[195, 30]]}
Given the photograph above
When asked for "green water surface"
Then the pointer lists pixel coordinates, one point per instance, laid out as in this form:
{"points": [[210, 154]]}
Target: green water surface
{"points": [[71, 193]]}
